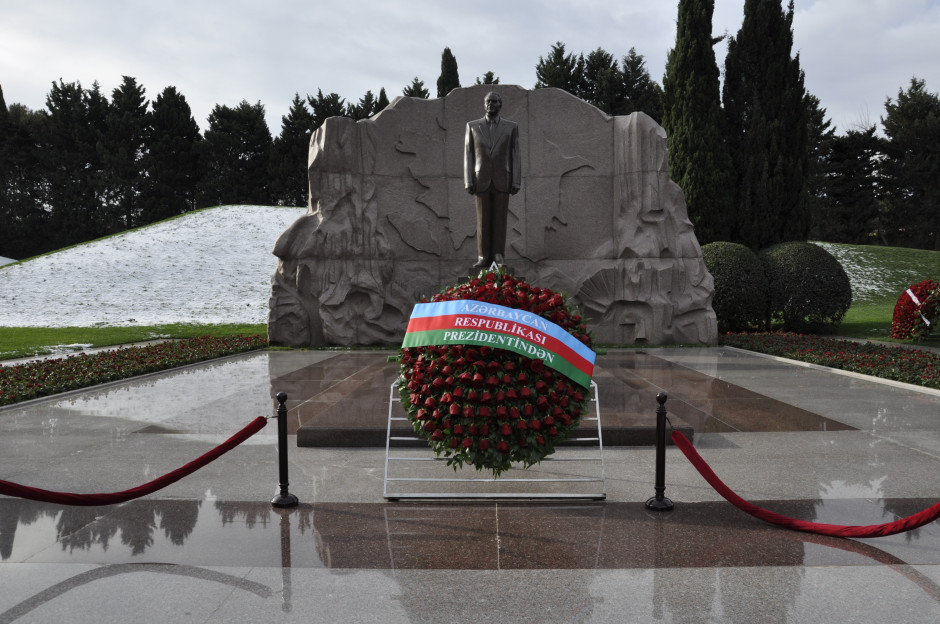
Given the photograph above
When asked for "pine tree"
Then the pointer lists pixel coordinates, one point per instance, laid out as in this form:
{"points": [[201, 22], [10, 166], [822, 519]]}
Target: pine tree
{"points": [[326, 106], [238, 145], [449, 79], [639, 91], [289, 156], [23, 216], [172, 162], [416, 89], [560, 70], [912, 165], [698, 158], [122, 151], [846, 210], [487, 79], [364, 109], [602, 81], [765, 109], [72, 172]]}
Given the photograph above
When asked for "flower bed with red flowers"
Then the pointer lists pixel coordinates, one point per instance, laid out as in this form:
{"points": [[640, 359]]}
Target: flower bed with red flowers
{"points": [[42, 378], [914, 366], [913, 320], [488, 407]]}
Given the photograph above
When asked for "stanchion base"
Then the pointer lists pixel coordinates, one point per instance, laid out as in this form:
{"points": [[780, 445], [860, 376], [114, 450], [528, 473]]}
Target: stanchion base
{"points": [[659, 504], [285, 500]]}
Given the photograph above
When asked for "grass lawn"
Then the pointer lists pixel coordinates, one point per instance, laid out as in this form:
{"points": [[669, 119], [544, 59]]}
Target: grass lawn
{"points": [[19, 342]]}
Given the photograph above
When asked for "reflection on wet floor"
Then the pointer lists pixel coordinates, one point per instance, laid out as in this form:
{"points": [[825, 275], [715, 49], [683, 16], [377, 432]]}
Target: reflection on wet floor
{"points": [[473, 536]]}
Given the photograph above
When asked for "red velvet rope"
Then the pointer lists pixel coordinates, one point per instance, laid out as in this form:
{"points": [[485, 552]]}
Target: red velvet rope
{"points": [[88, 500], [875, 530]]}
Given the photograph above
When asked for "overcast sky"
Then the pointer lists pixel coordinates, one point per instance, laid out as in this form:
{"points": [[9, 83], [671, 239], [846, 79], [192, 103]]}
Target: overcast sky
{"points": [[855, 53]]}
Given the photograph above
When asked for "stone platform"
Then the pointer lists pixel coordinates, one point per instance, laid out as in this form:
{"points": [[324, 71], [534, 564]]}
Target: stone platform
{"points": [[343, 401]]}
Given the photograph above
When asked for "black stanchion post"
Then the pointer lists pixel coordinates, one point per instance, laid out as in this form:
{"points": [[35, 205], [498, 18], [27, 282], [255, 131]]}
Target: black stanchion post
{"points": [[284, 498], [660, 502]]}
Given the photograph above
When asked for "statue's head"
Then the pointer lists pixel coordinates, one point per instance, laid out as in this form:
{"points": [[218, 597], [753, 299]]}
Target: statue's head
{"points": [[492, 103]]}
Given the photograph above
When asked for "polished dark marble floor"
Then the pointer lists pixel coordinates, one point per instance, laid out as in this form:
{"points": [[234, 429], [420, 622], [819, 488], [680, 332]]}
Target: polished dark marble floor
{"points": [[344, 401]]}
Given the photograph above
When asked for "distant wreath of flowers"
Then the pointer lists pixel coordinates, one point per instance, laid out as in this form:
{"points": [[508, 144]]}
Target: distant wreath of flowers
{"points": [[914, 317], [488, 407]]}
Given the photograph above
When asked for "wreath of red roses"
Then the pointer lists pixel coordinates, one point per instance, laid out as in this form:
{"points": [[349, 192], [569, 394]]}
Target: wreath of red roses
{"points": [[908, 320], [487, 407]]}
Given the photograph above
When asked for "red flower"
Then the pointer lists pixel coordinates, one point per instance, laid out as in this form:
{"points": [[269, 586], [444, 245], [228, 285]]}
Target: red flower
{"points": [[484, 444], [502, 446]]}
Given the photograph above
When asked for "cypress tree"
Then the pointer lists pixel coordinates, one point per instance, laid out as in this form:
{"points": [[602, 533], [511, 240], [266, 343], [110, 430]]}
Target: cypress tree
{"points": [[765, 107], [698, 155], [382, 101], [449, 79]]}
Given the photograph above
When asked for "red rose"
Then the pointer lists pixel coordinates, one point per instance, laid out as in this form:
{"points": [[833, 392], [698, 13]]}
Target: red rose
{"points": [[455, 409], [521, 425], [484, 444], [535, 424], [446, 398], [430, 426], [454, 443], [505, 429], [437, 436], [528, 409], [484, 412], [458, 430], [514, 412], [525, 393], [502, 447], [467, 443]]}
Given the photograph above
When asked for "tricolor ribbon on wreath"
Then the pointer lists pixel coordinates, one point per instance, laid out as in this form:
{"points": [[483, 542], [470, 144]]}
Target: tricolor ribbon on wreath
{"points": [[485, 324], [910, 293]]}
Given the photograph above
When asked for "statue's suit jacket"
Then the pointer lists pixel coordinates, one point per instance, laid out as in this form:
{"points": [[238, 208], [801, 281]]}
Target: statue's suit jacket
{"points": [[495, 162]]}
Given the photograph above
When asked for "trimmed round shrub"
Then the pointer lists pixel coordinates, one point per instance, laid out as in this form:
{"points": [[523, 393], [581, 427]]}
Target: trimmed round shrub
{"points": [[741, 293], [809, 290]]}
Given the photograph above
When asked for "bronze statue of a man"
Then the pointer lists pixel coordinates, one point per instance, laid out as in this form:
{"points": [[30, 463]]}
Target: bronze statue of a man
{"points": [[492, 171]]}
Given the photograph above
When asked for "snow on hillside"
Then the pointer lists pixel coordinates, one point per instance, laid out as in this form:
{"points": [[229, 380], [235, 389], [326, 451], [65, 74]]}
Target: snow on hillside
{"points": [[210, 266]]}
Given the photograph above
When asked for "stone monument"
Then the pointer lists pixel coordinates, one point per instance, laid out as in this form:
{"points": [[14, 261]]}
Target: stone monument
{"points": [[389, 222]]}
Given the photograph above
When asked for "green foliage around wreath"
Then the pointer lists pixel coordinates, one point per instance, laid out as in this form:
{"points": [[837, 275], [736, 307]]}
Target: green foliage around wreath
{"points": [[809, 290], [491, 408], [741, 292]]}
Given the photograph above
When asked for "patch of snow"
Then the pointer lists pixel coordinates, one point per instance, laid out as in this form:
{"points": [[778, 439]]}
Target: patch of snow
{"points": [[4, 260], [205, 267]]}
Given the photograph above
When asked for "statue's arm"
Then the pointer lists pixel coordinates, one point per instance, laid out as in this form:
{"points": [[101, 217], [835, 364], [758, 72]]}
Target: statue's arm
{"points": [[516, 162], [468, 161]]}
